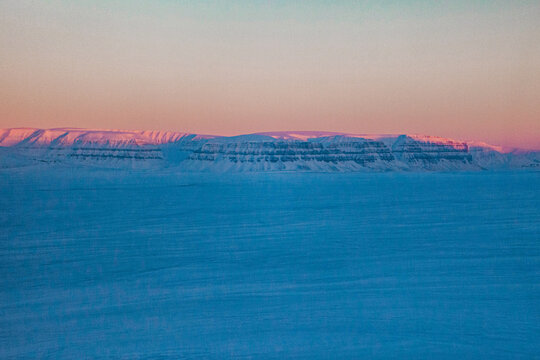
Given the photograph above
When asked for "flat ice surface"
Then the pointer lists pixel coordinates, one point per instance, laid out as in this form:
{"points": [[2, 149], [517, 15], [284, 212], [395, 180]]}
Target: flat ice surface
{"points": [[98, 263]]}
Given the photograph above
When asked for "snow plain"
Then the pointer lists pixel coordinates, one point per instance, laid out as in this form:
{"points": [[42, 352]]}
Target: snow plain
{"points": [[156, 264]]}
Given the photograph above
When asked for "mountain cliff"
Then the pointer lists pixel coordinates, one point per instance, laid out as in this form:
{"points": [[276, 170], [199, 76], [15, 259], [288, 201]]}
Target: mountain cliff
{"points": [[277, 151]]}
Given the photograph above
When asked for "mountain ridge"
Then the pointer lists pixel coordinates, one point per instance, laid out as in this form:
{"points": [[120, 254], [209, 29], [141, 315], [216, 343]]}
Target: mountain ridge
{"points": [[264, 151], [8, 136]]}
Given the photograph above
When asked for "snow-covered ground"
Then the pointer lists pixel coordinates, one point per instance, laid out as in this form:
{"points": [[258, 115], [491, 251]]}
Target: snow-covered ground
{"points": [[161, 264]]}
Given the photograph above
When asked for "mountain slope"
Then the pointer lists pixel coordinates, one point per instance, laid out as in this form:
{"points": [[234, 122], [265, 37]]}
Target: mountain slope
{"points": [[267, 151]]}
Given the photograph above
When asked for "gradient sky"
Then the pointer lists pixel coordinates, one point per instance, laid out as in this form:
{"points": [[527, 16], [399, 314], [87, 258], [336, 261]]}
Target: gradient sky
{"points": [[462, 69]]}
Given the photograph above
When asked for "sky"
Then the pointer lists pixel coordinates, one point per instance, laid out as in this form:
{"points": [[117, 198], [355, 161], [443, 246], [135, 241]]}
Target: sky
{"points": [[463, 69]]}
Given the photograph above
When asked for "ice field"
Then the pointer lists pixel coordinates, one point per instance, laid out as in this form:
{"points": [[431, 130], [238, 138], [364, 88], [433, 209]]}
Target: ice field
{"points": [[158, 264]]}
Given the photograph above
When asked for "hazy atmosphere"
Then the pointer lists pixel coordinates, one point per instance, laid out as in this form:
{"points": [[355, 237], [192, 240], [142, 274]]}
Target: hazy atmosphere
{"points": [[462, 69]]}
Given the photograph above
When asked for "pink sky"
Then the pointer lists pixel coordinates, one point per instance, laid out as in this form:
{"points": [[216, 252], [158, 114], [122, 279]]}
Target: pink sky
{"points": [[462, 71]]}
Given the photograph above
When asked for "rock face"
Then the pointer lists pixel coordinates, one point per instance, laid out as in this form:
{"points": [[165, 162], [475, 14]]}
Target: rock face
{"points": [[430, 152], [282, 151], [108, 148], [272, 154]]}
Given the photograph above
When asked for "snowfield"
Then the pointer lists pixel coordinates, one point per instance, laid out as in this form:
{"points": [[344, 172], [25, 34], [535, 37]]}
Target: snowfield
{"points": [[117, 263]]}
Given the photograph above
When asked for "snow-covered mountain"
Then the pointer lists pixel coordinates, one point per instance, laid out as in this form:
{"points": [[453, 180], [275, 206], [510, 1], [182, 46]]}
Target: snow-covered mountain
{"points": [[270, 151]]}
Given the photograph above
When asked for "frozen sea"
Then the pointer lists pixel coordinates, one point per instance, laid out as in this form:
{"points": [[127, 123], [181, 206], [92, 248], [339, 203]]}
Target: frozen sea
{"points": [[141, 264]]}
